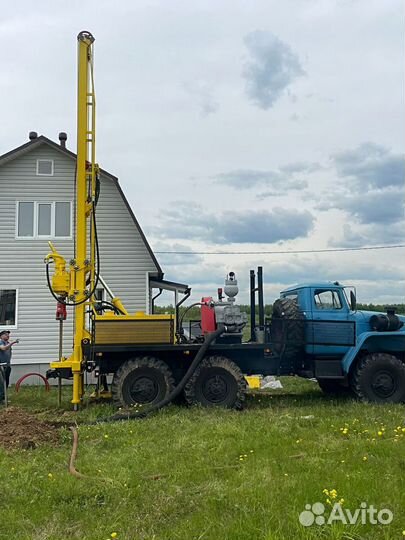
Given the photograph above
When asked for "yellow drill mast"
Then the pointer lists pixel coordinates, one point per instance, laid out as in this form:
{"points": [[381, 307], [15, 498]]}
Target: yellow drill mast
{"points": [[76, 286]]}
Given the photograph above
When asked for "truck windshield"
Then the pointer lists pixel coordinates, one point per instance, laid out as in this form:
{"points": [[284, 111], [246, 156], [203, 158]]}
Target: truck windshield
{"points": [[347, 291]]}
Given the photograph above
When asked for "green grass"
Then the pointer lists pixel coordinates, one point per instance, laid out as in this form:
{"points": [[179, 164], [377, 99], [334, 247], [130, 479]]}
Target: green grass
{"points": [[179, 475]]}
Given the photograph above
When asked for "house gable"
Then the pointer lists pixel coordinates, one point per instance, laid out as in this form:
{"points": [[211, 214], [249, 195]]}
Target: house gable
{"points": [[126, 258], [42, 148]]}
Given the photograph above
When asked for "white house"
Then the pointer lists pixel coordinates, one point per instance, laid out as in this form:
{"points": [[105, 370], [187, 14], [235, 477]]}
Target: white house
{"points": [[37, 183]]}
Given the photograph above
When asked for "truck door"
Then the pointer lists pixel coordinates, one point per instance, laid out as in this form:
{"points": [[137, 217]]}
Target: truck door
{"points": [[330, 329]]}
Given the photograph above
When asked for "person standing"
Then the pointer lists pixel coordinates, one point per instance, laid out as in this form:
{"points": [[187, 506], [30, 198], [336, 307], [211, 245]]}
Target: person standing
{"points": [[5, 353]]}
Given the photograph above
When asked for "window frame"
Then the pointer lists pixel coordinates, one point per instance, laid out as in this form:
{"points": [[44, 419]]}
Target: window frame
{"points": [[35, 235], [333, 292], [45, 174], [15, 325]]}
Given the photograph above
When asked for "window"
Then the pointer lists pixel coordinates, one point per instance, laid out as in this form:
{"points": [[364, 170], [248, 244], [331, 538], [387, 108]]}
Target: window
{"points": [[291, 296], [99, 295], [327, 300], [44, 167], [44, 220], [62, 219], [8, 308], [25, 219]]}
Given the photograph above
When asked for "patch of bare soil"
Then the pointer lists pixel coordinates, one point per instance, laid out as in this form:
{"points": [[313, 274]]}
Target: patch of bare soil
{"points": [[19, 429]]}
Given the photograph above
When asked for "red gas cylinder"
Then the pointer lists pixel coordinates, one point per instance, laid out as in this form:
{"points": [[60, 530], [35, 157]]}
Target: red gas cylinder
{"points": [[60, 311], [208, 323]]}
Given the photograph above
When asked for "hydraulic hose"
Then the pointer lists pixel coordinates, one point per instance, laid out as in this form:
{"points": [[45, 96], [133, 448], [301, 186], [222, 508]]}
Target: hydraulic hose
{"points": [[209, 338], [90, 294], [180, 331], [187, 309], [109, 305]]}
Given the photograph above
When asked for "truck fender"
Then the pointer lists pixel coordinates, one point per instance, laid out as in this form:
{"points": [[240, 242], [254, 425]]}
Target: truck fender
{"points": [[389, 342]]}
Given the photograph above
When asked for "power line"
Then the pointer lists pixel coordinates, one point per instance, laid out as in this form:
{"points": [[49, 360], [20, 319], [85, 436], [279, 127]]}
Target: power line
{"points": [[287, 252]]}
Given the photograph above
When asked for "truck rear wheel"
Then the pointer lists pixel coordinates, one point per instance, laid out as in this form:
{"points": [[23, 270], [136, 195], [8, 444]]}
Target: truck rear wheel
{"points": [[380, 378], [216, 382], [141, 381]]}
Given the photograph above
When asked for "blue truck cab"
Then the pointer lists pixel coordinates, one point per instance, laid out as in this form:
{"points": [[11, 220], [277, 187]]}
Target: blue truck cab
{"points": [[344, 348]]}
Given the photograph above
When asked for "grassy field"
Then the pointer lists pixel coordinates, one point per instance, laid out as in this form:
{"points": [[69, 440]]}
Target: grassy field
{"points": [[189, 473]]}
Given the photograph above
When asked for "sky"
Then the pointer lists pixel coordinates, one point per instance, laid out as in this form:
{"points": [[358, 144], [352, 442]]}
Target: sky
{"points": [[233, 126]]}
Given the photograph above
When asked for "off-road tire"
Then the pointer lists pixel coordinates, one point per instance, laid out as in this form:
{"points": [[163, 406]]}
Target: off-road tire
{"points": [[379, 378], [287, 328], [141, 381], [331, 387], [217, 382]]}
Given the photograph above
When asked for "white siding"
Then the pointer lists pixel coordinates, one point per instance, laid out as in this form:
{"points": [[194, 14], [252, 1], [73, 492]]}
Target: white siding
{"points": [[125, 259]]}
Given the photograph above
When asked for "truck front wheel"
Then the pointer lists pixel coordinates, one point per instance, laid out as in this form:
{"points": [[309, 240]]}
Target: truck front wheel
{"points": [[141, 381], [380, 378]]}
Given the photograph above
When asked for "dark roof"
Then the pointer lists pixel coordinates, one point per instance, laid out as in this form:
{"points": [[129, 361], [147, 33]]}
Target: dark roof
{"points": [[30, 145], [158, 283], [315, 285]]}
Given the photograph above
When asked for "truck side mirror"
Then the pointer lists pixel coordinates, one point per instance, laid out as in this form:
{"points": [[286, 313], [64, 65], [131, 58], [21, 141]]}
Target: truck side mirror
{"points": [[353, 302]]}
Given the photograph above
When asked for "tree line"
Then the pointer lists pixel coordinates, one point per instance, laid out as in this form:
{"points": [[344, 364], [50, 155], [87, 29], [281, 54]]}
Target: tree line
{"points": [[194, 312]]}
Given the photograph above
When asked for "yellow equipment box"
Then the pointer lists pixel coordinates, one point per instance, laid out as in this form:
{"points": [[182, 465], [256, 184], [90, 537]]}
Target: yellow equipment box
{"points": [[134, 330]]}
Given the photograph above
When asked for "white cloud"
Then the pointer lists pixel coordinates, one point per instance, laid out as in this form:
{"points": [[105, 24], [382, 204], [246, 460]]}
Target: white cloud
{"points": [[193, 222], [154, 131], [272, 67], [371, 166], [247, 178]]}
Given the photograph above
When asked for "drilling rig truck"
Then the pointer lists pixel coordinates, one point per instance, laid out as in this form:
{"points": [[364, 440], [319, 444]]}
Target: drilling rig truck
{"points": [[315, 330]]}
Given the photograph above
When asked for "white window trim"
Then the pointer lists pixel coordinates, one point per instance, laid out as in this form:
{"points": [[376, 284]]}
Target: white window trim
{"points": [[44, 174], [15, 325], [36, 236]]}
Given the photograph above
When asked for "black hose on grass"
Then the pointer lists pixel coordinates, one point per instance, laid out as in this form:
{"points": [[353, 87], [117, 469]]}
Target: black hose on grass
{"points": [[130, 415]]}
